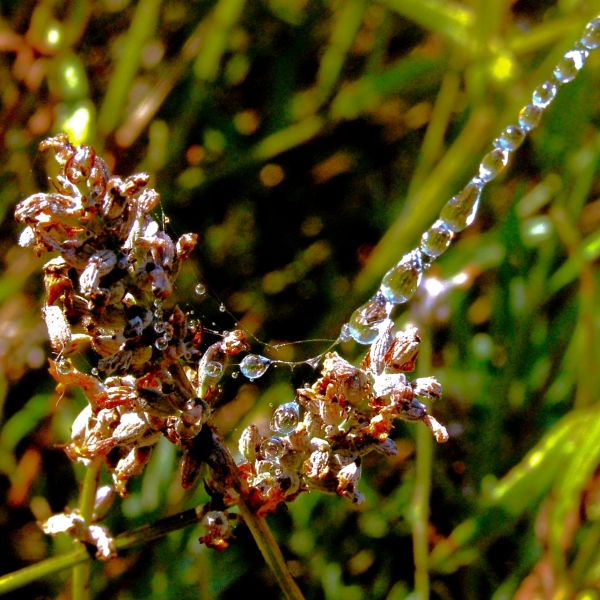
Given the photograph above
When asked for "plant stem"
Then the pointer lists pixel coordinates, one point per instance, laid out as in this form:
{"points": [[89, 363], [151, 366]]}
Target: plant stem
{"points": [[420, 511], [271, 553], [81, 572]]}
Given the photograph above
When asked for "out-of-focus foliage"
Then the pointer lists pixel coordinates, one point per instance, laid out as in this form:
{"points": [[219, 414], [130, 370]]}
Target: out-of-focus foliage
{"points": [[309, 144]]}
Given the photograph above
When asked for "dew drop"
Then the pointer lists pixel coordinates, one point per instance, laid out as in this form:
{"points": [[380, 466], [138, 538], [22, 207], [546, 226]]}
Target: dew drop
{"points": [[313, 362], [158, 313], [591, 36], [222, 308], [200, 289], [63, 366], [459, 212], [254, 366], [436, 239], [159, 326], [161, 344], [366, 321], [493, 164], [95, 372], [529, 117], [569, 65], [544, 94], [213, 368], [187, 355], [510, 139], [272, 448], [235, 374], [285, 418], [345, 333], [401, 282]]}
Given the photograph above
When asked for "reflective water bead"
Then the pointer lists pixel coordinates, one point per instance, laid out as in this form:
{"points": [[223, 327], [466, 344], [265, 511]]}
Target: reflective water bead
{"points": [[213, 368], [254, 366], [187, 355], [459, 212], [544, 94], [272, 448], [345, 333], [493, 164], [436, 239], [222, 308], [159, 326], [234, 375], [161, 344], [95, 372], [591, 36], [158, 313], [569, 65], [366, 321], [63, 366], [200, 289], [401, 282], [285, 418], [530, 116], [510, 139]]}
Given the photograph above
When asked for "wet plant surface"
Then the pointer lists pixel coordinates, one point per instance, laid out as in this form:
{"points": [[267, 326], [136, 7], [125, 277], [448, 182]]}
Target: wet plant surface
{"points": [[298, 157]]}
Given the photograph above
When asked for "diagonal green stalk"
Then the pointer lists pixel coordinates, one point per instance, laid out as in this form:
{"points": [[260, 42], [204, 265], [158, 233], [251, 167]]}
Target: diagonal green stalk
{"points": [[271, 553]]}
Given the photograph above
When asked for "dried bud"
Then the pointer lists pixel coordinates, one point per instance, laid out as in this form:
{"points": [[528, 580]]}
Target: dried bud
{"points": [[438, 430], [427, 387], [59, 329], [249, 443], [404, 350]]}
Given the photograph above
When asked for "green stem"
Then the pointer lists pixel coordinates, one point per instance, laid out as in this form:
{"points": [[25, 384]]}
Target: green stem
{"points": [[420, 512], [271, 553], [80, 555], [81, 572]]}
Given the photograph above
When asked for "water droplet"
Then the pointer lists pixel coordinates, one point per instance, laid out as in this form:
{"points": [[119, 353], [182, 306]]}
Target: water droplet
{"points": [[200, 289], [366, 321], [187, 355], [157, 303], [63, 366], [510, 139], [569, 65], [436, 239], [161, 344], [313, 362], [459, 212], [285, 418], [123, 263], [529, 117], [254, 366], [272, 448], [591, 36], [235, 374], [213, 368], [345, 333], [168, 331], [159, 327], [222, 308], [544, 94], [95, 372], [493, 164], [401, 282], [158, 313]]}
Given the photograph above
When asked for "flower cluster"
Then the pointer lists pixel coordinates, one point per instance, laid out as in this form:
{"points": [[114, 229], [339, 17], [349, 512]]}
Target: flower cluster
{"points": [[348, 412], [155, 377]]}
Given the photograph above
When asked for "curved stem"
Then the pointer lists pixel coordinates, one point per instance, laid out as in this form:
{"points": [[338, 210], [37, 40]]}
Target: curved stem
{"points": [[81, 572]]}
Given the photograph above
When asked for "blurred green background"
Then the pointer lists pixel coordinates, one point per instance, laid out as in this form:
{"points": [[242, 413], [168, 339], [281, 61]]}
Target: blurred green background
{"points": [[309, 143]]}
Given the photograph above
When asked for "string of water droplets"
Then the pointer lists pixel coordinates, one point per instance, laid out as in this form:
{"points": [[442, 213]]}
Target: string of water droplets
{"points": [[401, 282]]}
